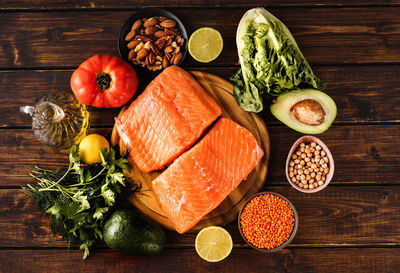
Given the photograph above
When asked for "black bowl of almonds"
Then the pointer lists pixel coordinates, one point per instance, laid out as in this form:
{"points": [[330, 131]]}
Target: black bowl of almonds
{"points": [[152, 39]]}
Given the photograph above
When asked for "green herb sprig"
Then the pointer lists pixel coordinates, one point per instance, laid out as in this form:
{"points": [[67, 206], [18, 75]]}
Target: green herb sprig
{"points": [[79, 198]]}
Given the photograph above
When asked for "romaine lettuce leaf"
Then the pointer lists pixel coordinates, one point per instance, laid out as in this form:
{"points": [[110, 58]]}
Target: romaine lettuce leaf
{"points": [[271, 62]]}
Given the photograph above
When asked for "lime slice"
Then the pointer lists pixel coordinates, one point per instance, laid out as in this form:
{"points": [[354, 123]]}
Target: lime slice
{"points": [[213, 244], [205, 44]]}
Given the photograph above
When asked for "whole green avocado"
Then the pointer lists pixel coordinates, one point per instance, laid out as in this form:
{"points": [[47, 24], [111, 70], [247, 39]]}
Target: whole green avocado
{"points": [[132, 233]]}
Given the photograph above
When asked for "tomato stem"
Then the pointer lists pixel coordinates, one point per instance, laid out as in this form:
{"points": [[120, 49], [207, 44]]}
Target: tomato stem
{"points": [[103, 81]]}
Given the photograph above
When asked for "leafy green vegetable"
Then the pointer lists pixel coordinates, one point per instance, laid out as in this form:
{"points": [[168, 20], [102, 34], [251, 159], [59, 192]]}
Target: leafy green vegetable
{"points": [[271, 62], [78, 199]]}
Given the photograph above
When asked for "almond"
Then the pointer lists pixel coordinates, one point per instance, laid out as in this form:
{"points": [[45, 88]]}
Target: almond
{"points": [[161, 18], [142, 54], [150, 22], [136, 25], [133, 44], [168, 23], [160, 34], [130, 35], [150, 30]]}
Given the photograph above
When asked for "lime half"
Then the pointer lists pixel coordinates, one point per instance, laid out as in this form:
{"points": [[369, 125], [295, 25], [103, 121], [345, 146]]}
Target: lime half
{"points": [[205, 44], [213, 244]]}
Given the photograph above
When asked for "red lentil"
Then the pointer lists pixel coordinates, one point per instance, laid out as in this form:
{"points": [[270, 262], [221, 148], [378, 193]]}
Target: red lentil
{"points": [[267, 221]]}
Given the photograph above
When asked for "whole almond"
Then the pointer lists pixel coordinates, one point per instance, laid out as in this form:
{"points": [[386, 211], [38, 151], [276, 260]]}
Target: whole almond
{"points": [[132, 54], [142, 54], [159, 34], [150, 30], [168, 23], [169, 49], [161, 18], [172, 31], [176, 58], [150, 22], [130, 35], [133, 44], [136, 25]]}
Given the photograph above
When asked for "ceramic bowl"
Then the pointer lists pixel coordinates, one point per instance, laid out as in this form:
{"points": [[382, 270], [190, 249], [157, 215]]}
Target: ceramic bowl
{"points": [[147, 13], [287, 242], [309, 139]]}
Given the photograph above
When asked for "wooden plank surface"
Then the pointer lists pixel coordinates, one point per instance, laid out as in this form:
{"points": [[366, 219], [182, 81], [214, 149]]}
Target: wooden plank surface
{"points": [[65, 39], [338, 216], [331, 260], [357, 91], [126, 4], [367, 154]]}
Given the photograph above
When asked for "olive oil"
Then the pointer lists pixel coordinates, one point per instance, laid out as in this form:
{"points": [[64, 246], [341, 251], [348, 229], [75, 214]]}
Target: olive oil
{"points": [[59, 120]]}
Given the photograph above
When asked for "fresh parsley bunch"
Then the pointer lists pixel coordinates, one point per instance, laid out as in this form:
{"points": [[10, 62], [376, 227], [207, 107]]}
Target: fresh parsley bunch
{"points": [[79, 198]]}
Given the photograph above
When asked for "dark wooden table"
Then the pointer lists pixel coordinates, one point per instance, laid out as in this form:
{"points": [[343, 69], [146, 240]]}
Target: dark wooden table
{"points": [[354, 46]]}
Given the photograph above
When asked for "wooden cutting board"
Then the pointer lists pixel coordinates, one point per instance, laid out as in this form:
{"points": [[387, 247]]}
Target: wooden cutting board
{"points": [[221, 90]]}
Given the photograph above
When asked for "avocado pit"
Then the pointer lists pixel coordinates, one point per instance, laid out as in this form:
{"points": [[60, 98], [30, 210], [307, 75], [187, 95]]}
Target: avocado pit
{"points": [[309, 112]]}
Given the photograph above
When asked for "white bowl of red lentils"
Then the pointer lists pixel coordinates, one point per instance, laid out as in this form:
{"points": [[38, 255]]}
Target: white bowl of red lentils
{"points": [[268, 222], [309, 165]]}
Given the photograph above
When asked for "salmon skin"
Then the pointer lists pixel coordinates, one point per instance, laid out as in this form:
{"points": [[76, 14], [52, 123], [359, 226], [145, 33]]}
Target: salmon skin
{"points": [[201, 178], [167, 119]]}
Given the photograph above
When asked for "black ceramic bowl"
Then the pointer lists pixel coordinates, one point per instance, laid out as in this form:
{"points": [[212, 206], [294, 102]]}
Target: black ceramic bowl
{"points": [[147, 13]]}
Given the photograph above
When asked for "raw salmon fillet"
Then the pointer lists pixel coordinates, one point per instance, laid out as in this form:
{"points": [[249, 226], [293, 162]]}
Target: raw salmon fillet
{"points": [[201, 178], [167, 119]]}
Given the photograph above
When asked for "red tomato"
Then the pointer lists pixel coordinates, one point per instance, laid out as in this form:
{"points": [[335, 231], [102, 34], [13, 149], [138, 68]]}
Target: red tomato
{"points": [[104, 81]]}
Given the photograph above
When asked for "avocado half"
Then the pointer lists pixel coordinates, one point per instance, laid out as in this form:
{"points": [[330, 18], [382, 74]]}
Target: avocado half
{"points": [[308, 111]]}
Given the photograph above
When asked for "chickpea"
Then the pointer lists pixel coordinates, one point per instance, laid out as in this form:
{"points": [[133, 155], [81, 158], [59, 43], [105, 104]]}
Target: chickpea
{"points": [[298, 177], [303, 156], [318, 147], [326, 171], [311, 186], [308, 177], [315, 185], [318, 177], [320, 183], [297, 161], [313, 144], [294, 156], [291, 164], [304, 182], [305, 186], [323, 153], [294, 179], [302, 144], [303, 177], [307, 159], [326, 159], [302, 162], [299, 166], [312, 174], [291, 169], [302, 149], [291, 174], [298, 153], [295, 171], [306, 172]]}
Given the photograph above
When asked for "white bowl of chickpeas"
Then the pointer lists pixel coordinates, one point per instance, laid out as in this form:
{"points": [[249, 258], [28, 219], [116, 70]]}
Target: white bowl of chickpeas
{"points": [[310, 165]]}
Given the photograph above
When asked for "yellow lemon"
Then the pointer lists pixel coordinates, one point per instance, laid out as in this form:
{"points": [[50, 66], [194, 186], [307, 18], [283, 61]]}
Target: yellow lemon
{"points": [[90, 146], [205, 44], [213, 244]]}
